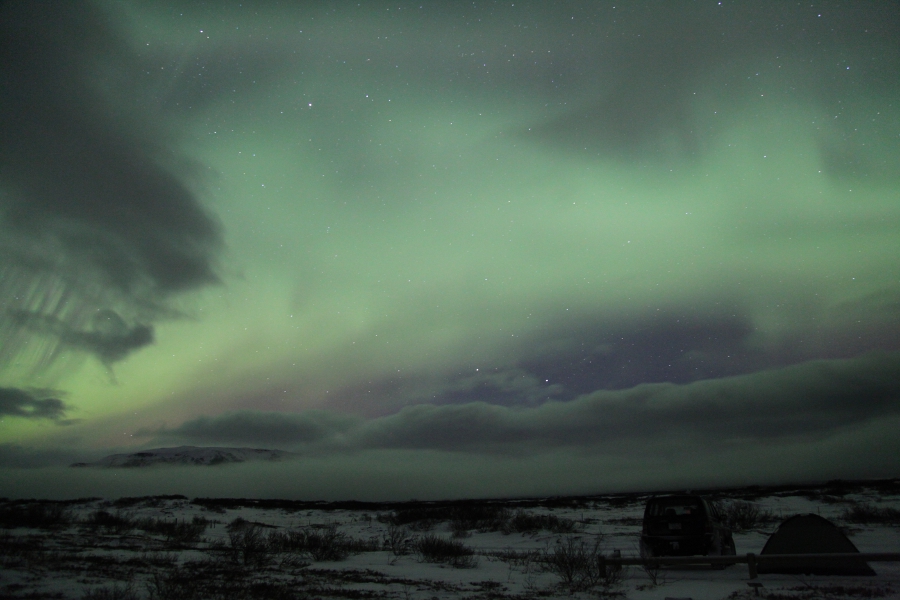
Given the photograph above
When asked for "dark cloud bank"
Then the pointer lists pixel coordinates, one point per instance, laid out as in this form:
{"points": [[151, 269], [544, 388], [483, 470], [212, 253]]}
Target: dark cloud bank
{"points": [[30, 404], [804, 402], [812, 422], [100, 222], [816, 421]]}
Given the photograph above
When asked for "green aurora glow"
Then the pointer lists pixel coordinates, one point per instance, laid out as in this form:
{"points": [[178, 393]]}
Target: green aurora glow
{"points": [[491, 207]]}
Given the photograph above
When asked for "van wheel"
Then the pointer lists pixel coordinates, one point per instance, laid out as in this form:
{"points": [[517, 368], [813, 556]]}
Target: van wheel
{"points": [[646, 551]]}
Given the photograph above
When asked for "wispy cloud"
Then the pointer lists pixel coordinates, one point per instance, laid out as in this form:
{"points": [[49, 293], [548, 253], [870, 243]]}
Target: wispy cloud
{"points": [[98, 212], [31, 404]]}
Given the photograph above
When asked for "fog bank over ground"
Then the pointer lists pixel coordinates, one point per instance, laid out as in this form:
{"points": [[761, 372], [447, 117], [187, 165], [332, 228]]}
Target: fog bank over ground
{"points": [[406, 474]]}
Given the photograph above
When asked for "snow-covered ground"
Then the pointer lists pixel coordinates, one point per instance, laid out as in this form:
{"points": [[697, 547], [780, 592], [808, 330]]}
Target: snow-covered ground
{"points": [[172, 547]]}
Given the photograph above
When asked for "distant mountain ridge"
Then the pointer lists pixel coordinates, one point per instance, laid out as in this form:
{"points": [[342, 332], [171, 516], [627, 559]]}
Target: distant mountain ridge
{"points": [[188, 456]]}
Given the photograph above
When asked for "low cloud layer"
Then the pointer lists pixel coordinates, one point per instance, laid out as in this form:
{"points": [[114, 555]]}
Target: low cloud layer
{"points": [[269, 429], [16, 456], [803, 402], [812, 422]]}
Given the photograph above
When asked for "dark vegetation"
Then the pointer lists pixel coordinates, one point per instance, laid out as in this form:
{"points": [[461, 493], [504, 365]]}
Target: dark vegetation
{"points": [[578, 565], [462, 519], [836, 489], [326, 543], [740, 515], [154, 501], [442, 507], [115, 552], [820, 592], [868, 514], [48, 515], [116, 591], [250, 544], [174, 533], [524, 522], [397, 540], [35, 515], [435, 549]]}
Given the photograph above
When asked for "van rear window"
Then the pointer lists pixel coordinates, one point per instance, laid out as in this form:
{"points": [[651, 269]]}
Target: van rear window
{"points": [[674, 508]]}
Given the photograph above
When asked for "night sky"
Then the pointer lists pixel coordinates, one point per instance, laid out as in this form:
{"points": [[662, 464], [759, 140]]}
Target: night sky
{"points": [[449, 249]]}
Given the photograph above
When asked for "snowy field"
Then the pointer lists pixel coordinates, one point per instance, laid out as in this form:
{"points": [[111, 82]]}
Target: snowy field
{"points": [[175, 547]]}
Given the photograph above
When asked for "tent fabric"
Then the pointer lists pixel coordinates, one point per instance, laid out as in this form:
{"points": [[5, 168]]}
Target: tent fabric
{"points": [[812, 534]]}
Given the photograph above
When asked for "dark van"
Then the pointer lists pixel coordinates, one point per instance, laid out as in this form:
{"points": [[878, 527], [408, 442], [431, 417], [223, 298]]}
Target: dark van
{"points": [[684, 525]]}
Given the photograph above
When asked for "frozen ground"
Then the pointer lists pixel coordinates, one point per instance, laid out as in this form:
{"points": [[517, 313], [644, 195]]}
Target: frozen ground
{"points": [[173, 547]]}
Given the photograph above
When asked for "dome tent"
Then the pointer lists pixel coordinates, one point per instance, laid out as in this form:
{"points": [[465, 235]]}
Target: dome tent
{"points": [[812, 534]]}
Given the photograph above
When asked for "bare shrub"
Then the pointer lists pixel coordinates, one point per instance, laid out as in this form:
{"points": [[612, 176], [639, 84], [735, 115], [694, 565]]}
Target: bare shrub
{"points": [[418, 519], [164, 560], [321, 543], [435, 549], [237, 523], [459, 530], [173, 584], [293, 540], [739, 515], [327, 543], [571, 559], [870, 513], [527, 522], [118, 522], [398, 540], [176, 533], [248, 545], [580, 565], [126, 592], [611, 574], [150, 501], [653, 571], [462, 517], [36, 515], [477, 517]]}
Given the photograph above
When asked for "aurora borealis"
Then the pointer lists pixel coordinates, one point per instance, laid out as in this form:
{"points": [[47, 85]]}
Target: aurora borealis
{"points": [[450, 249]]}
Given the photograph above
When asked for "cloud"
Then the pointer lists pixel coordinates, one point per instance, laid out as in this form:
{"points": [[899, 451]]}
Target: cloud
{"points": [[255, 428], [645, 110], [30, 404], [660, 74], [507, 386], [803, 402], [110, 339], [619, 351], [588, 351], [809, 400], [815, 421], [97, 212]]}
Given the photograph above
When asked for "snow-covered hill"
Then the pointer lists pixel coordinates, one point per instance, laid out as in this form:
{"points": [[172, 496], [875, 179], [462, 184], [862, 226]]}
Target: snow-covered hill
{"points": [[189, 455]]}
